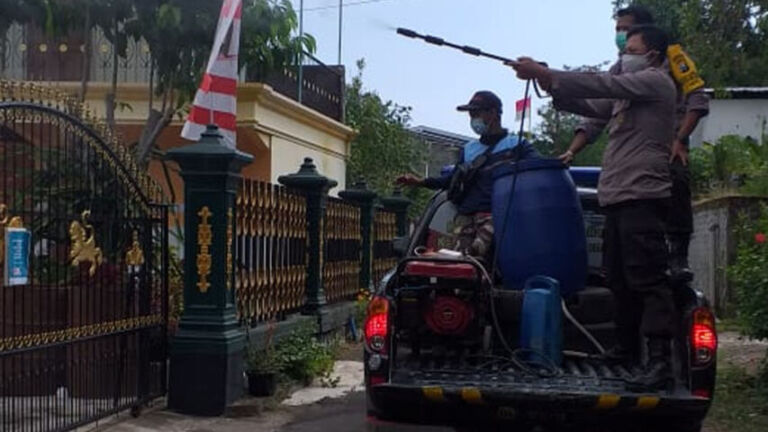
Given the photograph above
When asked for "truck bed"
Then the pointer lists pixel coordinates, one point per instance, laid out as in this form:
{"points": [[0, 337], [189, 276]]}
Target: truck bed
{"points": [[467, 369]]}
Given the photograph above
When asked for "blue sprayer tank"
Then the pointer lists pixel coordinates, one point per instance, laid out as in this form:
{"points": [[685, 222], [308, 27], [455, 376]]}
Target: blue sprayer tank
{"points": [[539, 226], [541, 333]]}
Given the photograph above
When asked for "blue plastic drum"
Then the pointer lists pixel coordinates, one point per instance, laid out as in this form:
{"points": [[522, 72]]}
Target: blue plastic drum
{"points": [[538, 223]]}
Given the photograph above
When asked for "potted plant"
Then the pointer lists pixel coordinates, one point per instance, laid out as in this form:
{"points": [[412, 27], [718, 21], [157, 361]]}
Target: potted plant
{"points": [[262, 366]]}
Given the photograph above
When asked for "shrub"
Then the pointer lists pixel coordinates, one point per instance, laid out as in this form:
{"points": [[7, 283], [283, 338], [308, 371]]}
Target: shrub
{"points": [[303, 357], [749, 274]]}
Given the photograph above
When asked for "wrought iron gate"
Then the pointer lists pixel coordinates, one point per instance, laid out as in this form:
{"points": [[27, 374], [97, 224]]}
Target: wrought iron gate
{"points": [[83, 334]]}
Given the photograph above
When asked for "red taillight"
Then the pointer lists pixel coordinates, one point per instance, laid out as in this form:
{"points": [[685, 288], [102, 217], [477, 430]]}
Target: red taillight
{"points": [[377, 323], [703, 336]]}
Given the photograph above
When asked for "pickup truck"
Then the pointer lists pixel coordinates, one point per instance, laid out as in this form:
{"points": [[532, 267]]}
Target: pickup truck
{"points": [[434, 355]]}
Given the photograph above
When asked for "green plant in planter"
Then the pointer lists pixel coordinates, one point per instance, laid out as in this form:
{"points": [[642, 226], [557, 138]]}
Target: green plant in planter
{"points": [[262, 365], [262, 361]]}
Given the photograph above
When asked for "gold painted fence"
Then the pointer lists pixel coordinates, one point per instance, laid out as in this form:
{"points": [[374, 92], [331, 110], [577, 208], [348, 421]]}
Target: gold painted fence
{"points": [[270, 251], [384, 231], [342, 251]]}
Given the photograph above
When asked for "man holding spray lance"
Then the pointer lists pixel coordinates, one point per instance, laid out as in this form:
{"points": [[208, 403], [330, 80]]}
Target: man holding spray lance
{"points": [[634, 188], [692, 105]]}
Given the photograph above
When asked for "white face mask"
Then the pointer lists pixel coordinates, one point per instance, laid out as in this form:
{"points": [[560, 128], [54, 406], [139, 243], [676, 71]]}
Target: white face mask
{"points": [[479, 126], [634, 62]]}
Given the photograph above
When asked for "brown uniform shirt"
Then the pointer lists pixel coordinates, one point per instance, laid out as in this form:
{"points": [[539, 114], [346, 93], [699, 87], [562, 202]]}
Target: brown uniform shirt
{"points": [[640, 110], [696, 100]]}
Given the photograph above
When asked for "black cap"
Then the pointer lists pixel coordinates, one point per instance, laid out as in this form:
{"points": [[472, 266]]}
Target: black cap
{"points": [[482, 100]]}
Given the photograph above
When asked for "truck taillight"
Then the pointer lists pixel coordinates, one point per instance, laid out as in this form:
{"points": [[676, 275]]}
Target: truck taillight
{"points": [[377, 324], [703, 336]]}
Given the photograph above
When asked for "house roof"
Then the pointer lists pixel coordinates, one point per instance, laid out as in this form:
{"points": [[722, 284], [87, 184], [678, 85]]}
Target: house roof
{"points": [[438, 136], [739, 92]]}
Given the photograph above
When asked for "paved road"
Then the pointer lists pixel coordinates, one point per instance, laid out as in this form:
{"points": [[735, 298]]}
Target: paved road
{"points": [[344, 415]]}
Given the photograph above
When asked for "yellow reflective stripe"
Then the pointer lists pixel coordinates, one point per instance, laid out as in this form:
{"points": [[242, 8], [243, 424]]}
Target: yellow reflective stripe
{"points": [[607, 401], [435, 394], [471, 395], [647, 402]]}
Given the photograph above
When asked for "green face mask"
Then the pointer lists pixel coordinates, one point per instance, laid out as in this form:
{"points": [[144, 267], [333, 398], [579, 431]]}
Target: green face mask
{"points": [[621, 40]]}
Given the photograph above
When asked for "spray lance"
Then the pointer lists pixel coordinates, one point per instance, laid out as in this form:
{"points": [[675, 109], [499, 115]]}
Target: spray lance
{"points": [[466, 49]]}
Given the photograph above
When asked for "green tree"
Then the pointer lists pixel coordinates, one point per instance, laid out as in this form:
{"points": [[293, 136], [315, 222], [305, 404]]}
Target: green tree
{"points": [[383, 148]]}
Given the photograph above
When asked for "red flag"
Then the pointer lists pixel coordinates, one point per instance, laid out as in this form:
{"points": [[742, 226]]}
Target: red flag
{"points": [[522, 104], [216, 98]]}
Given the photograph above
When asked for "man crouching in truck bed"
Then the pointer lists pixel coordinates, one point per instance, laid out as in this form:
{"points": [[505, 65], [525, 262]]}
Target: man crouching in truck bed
{"points": [[470, 185], [633, 188]]}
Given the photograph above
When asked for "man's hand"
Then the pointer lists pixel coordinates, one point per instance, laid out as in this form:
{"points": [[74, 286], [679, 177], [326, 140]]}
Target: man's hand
{"points": [[409, 180], [679, 151], [566, 157], [528, 68], [577, 144]]}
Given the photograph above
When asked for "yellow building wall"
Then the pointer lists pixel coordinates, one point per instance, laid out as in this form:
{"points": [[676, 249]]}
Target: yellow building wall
{"points": [[278, 131]]}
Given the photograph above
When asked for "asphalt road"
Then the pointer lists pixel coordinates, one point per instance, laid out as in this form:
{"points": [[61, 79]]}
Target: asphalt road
{"points": [[345, 415]]}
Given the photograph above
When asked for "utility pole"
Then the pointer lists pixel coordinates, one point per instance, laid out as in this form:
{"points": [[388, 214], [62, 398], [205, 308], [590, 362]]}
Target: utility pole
{"points": [[341, 14], [301, 48]]}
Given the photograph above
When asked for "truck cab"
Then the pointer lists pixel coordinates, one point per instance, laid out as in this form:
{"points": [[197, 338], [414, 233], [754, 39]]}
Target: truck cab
{"points": [[442, 345]]}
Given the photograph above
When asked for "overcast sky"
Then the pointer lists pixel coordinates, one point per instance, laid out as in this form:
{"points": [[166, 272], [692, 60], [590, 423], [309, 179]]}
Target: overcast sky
{"points": [[433, 80]]}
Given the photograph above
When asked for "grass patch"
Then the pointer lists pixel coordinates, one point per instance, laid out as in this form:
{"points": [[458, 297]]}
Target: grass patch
{"points": [[740, 404], [729, 325]]}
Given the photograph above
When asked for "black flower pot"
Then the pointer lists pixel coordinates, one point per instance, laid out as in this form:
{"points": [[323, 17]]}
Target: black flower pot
{"points": [[262, 384]]}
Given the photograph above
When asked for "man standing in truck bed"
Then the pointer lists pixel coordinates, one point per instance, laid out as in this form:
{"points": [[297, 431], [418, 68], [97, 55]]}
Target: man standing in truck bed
{"points": [[634, 186], [692, 105]]}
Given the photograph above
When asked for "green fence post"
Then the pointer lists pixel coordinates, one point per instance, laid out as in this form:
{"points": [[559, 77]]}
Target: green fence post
{"points": [[315, 188], [398, 204], [206, 354], [364, 198]]}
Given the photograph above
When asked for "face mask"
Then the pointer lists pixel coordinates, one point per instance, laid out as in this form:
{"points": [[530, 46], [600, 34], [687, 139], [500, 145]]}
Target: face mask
{"points": [[634, 62], [621, 40], [479, 126]]}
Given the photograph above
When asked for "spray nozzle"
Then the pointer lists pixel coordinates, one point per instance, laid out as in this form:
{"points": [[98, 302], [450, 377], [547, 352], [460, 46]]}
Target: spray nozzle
{"points": [[406, 32]]}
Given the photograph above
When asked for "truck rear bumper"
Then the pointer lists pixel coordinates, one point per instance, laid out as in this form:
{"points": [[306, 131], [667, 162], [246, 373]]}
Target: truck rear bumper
{"points": [[451, 404]]}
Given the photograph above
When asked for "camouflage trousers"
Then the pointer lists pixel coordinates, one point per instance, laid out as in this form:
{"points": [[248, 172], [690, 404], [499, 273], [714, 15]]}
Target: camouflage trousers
{"points": [[474, 234]]}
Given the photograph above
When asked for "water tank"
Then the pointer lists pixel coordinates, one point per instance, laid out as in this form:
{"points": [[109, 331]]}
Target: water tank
{"points": [[539, 226]]}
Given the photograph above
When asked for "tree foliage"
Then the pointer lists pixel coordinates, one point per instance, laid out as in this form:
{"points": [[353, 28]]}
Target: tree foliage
{"points": [[733, 164], [383, 148]]}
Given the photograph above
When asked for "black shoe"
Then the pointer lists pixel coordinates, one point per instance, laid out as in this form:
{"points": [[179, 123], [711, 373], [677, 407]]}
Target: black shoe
{"points": [[657, 375]]}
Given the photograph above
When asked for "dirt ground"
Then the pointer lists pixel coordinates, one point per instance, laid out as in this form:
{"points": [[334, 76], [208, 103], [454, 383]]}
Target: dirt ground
{"points": [[741, 352], [737, 405]]}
